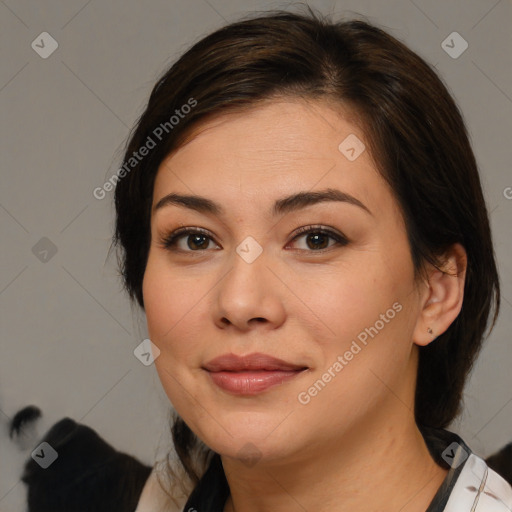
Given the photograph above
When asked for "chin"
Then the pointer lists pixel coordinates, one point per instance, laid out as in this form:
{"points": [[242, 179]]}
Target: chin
{"points": [[249, 439]]}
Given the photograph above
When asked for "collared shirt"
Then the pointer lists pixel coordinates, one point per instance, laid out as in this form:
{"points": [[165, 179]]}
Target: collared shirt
{"points": [[469, 486]]}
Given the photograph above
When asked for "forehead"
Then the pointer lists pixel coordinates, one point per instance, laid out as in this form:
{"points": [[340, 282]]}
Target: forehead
{"points": [[274, 149]]}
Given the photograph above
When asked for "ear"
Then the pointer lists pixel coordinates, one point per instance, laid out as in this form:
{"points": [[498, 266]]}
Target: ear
{"points": [[441, 299]]}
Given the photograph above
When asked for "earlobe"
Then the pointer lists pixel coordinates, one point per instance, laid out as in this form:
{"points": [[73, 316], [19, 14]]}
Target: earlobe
{"points": [[442, 300]]}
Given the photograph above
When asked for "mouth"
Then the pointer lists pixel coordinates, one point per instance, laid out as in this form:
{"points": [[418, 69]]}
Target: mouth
{"points": [[252, 374]]}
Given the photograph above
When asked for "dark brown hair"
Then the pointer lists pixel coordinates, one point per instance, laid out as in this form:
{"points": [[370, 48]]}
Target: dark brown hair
{"points": [[415, 135]]}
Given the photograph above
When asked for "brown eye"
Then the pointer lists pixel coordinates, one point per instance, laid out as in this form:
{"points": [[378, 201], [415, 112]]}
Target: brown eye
{"points": [[195, 240], [317, 239]]}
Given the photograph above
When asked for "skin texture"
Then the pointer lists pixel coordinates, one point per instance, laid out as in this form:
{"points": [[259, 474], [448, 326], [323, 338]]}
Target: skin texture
{"points": [[354, 445]]}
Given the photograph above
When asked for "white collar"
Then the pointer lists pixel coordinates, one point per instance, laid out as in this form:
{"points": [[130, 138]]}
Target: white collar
{"points": [[479, 489]]}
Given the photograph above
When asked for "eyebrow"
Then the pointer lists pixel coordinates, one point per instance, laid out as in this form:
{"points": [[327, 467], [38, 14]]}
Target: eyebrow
{"points": [[281, 206]]}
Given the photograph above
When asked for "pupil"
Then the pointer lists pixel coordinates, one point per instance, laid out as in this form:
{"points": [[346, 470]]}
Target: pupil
{"points": [[318, 236], [194, 240]]}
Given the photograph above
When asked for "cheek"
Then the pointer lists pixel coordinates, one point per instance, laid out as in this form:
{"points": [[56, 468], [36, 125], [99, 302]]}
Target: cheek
{"points": [[365, 316], [349, 300], [175, 306], [166, 302], [160, 305]]}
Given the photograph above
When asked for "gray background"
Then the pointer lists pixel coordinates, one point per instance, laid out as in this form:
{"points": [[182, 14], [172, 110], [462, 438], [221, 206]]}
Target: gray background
{"points": [[68, 333]]}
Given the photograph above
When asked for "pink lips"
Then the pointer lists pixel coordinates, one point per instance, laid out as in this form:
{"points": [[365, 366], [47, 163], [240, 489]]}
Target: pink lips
{"points": [[250, 375]]}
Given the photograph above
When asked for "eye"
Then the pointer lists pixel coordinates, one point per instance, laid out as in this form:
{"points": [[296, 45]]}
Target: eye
{"points": [[316, 238], [197, 239]]}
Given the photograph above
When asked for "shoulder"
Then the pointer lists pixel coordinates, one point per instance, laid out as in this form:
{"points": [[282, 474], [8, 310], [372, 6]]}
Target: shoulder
{"points": [[155, 499], [479, 489]]}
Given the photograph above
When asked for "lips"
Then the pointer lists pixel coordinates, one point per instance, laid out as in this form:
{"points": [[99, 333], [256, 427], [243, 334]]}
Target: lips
{"points": [[256, 361], [252, 374]]}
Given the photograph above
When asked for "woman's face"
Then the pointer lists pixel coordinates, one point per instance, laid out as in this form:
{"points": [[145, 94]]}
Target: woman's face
{"points": [[338, 305]]}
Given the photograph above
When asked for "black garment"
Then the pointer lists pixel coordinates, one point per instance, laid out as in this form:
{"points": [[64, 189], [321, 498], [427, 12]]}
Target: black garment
{"points": [[212, 491], [89, 475]]}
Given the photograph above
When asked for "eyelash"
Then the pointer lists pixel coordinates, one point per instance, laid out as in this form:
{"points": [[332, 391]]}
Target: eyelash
{"points": [[169, 241]]}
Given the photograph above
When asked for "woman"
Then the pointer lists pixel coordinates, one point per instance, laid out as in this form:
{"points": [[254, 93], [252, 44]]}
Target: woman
{"points": [[300, 216]]}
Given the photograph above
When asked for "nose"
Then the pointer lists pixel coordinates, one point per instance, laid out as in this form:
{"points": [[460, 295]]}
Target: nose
{"points": [[249, 296]]}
